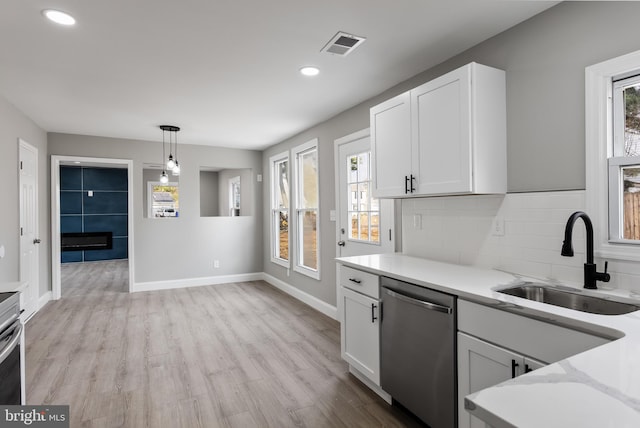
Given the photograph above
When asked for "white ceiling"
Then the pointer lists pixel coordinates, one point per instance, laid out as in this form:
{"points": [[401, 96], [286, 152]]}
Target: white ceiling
{"points": [[225, 71]]}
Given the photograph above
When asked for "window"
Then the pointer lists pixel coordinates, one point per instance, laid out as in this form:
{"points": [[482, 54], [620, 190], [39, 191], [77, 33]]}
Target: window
{"points": [[234, 196], [613, 155], [307, 209], [280, 209], [624, 165], [162, 200], [363, 210]]}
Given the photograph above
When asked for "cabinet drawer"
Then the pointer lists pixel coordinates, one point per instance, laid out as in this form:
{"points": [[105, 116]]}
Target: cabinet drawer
{"points": [[538, 339], [357, 280]]}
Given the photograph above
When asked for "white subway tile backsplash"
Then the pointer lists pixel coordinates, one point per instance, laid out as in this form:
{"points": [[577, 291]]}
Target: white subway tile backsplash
{"points": [[459, 229]]}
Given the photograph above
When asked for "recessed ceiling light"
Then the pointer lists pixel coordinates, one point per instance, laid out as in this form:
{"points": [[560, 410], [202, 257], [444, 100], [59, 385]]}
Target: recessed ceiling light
{"points": [[58, 17], [309, 71]]}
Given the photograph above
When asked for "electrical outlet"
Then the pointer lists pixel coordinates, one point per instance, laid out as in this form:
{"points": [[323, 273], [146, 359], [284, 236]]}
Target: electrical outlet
{"points": [[498, 226], [417, 221], [216, 264]]}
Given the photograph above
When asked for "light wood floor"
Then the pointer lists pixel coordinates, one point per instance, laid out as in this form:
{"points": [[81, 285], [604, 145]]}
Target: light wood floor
{"points": [[232, 355]]}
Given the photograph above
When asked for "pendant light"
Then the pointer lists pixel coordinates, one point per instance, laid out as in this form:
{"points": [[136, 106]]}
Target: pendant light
{"points": [[171, 163], [176, 167]]}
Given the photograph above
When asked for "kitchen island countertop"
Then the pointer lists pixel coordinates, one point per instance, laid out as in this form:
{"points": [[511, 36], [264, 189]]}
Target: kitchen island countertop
{"points": [[596, 388]]}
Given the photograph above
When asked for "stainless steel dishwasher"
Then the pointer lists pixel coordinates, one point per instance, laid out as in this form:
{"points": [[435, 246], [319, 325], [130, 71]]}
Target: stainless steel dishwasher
{"points": [[418, 350]]}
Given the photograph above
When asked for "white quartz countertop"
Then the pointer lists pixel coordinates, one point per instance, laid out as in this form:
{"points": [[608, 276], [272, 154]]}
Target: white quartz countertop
{"points": [[6, 287], [596, 388]]}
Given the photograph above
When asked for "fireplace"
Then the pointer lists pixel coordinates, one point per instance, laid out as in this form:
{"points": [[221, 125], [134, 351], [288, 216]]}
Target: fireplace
{"points": [[86, 241]]}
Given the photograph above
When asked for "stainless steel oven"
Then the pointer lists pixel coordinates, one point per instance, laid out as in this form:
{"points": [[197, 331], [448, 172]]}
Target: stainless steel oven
{"points": [[10, 333]]}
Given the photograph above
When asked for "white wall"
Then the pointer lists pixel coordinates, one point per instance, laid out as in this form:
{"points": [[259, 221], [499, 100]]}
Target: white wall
{"points": [[185, 247], [461, 229], [14, 125]]}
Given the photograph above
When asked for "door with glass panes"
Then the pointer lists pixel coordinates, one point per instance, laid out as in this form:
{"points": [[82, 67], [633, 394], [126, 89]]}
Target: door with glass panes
{"points": [[364, 224]]}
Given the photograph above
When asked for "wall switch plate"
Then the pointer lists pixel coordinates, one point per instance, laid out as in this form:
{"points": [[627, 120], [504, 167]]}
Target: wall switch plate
{"points": [[498, 226], [259, 178], [332, 215], [1, 251], [90, 193], [216, 264]]}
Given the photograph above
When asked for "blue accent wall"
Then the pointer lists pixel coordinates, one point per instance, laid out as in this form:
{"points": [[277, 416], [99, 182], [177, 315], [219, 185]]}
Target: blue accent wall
{"points": [[105, 211]]}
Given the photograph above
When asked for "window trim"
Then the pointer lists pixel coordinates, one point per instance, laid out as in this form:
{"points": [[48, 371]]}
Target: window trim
{"points": [[275, 239], [599, 148], [295, 152]]}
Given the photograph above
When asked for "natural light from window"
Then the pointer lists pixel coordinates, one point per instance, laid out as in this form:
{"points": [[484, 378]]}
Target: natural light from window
{"points": [[363, 209]]}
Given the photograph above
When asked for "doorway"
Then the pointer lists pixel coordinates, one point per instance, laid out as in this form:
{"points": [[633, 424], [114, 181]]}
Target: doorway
{"points": [[364, 224], [56, 252], [29, 234]]}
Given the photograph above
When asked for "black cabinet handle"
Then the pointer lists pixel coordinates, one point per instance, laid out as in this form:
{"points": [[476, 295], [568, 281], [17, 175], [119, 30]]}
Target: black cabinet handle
{"points": [[527, 369], [373, 315], [357, 281], [514, 366], [406, 184], [413, 189]]}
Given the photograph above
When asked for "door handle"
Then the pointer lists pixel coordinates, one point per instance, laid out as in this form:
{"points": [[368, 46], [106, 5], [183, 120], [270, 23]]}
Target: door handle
{"points": [[425, 305], [37, 241], [341, 243], [373, 315]]}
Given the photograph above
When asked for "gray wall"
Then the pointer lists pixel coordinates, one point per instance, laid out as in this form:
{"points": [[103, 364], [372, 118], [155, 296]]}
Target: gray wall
{"points": [[14, 125], [544, 59], [184, 247], [209, 193]]}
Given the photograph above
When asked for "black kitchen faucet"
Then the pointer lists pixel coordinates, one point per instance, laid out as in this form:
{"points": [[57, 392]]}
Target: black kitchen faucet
{"points": [[591, 275]]}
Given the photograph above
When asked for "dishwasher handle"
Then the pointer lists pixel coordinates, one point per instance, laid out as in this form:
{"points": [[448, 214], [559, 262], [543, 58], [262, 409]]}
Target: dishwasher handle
{"points": [[425, 305]]}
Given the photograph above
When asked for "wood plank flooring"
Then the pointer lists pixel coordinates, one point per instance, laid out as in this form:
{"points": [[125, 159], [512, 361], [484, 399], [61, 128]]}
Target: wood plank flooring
{"points": [[231, 355]]}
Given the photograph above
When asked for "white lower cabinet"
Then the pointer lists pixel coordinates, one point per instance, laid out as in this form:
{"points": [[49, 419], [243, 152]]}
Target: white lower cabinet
{"points": [[360, 333], [496, 345], [481, 365]]}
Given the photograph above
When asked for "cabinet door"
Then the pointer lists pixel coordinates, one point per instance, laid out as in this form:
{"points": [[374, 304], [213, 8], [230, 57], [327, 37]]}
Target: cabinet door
{"points": [[391, 146], [360, 333], [440, 120], [481, 365]]}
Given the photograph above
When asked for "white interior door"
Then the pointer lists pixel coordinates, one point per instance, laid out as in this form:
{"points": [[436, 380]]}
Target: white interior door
{"points": [[29, 238], [364, 225]]}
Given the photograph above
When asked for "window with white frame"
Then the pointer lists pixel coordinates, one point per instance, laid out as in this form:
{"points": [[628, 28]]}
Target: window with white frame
{"points": [[613, 155], [280, 209], [624, 165], [363, 209], [307, 222]]}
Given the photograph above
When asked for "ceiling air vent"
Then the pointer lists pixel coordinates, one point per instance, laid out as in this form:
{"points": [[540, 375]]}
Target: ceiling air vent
{"points": [[342, 44]]}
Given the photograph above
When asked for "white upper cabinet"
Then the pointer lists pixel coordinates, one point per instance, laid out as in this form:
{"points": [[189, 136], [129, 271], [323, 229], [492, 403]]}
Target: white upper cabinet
{"points": [[391, 146], [445, 137]]}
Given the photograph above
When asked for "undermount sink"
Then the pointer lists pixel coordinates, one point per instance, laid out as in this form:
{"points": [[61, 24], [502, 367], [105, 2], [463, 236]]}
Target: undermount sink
{"points": [[569, 299]]}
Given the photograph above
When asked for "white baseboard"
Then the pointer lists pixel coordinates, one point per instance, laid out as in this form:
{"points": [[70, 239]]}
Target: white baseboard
{"points": [[44, 299], [314, 302], [194, 282]]}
